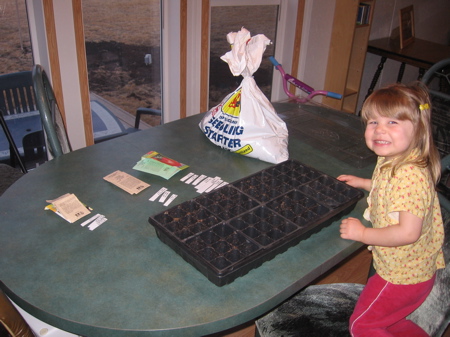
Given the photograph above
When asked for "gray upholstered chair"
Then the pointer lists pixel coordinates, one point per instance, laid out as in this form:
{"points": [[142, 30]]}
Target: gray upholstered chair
{"points": [[325, 310], [437, 78]]}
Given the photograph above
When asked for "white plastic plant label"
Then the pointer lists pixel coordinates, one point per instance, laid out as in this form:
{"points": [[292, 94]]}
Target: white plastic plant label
{"points": [[245, 122]]}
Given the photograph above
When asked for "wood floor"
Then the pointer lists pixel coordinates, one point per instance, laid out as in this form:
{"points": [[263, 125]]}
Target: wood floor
{"points": [[352, 270]]}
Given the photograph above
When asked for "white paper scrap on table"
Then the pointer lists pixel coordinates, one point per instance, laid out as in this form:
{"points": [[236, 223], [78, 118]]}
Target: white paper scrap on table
{"points": [[203, 186], [100, 220], [216, 182], [191, 179], [157, 194], [209, 184], [199, 179], [187, 176], [223, 183], [164, 196], [95, 217], [172, 198]]}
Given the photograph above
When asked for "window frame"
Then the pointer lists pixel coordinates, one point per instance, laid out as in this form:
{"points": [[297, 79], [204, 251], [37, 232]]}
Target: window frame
{"points": [[190, 87]]}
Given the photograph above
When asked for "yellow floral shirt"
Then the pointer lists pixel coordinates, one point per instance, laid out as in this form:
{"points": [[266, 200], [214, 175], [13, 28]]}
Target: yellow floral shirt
{"points": [[410, 190]]}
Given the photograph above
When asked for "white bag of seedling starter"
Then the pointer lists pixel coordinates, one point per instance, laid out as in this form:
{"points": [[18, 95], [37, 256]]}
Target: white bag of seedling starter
{"points": [[245, 121]]}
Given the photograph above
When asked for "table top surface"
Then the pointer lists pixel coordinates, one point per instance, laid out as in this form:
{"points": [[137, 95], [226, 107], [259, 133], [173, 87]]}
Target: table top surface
{"points": [[419, 53], [120, 279]]}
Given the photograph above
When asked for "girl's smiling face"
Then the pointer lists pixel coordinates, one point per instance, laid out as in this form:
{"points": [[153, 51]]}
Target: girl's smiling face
{"points": [[388, 137]]}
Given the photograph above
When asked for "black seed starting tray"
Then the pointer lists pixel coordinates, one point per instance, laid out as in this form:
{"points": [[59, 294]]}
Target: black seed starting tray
{"points": [[231, 230]]}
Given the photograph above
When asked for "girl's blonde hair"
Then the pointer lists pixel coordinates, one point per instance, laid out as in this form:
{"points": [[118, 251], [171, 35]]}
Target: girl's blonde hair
{"points": [[408, 102]]}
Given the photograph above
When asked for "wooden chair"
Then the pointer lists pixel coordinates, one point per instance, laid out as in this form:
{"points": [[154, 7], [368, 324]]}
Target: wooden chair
{"points": [[11, 320]]}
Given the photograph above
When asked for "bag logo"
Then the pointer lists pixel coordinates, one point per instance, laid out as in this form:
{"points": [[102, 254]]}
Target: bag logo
{"points": [[232, 106], [245, 150]]}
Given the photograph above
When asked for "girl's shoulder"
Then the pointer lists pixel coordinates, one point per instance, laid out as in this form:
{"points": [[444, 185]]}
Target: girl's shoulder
{"points": [[413, 172], [411, 168]]}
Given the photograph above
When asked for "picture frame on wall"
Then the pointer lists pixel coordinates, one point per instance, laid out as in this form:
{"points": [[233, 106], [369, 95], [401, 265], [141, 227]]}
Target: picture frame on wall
{"points": [[406, 26]]}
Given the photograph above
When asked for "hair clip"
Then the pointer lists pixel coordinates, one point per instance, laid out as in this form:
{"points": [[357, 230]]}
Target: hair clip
{"points": [[424, 106]]}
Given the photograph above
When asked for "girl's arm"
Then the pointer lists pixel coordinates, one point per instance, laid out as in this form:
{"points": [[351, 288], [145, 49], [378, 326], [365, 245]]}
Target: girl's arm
{"points": [[407, 231], [356, 182]]}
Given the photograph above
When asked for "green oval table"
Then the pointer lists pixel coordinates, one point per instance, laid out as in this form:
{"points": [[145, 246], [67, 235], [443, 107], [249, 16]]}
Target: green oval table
{"points": [[120, 279]]}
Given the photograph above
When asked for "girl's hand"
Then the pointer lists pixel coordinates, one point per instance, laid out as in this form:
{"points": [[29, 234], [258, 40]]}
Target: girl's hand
{"points": [[352, 229], [356, 182]]}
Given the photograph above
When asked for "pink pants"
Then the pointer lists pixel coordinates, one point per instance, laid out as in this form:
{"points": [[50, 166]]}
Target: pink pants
{"points": [[382, 308]]}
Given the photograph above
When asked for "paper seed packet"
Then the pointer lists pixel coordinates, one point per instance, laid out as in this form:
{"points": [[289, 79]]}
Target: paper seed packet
{"points": [[157, 164]]}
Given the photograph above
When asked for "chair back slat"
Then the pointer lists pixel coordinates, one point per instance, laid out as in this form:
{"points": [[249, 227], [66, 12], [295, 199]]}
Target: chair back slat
{"points": [[16, 93]]}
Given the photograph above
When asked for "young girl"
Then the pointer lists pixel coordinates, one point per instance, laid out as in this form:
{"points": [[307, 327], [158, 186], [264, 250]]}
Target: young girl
{"points": [[407, 235]]}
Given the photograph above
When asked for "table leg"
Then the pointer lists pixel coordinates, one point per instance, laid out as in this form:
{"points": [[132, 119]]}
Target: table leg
{"points": [[376, 76], [401, 72], [421, 73]]}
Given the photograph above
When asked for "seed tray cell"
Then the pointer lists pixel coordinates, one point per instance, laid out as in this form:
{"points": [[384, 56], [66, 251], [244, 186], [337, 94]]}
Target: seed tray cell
{"points": [[231, 230]]}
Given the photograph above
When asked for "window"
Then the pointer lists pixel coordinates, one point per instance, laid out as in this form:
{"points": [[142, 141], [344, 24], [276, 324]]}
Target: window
{"points": [[123, 53], [16, 56], [15, 46], [258, 19]]}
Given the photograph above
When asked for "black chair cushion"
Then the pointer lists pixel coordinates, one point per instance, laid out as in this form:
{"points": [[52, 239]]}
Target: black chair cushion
{"points": [[8, 175], [322, 311]]}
